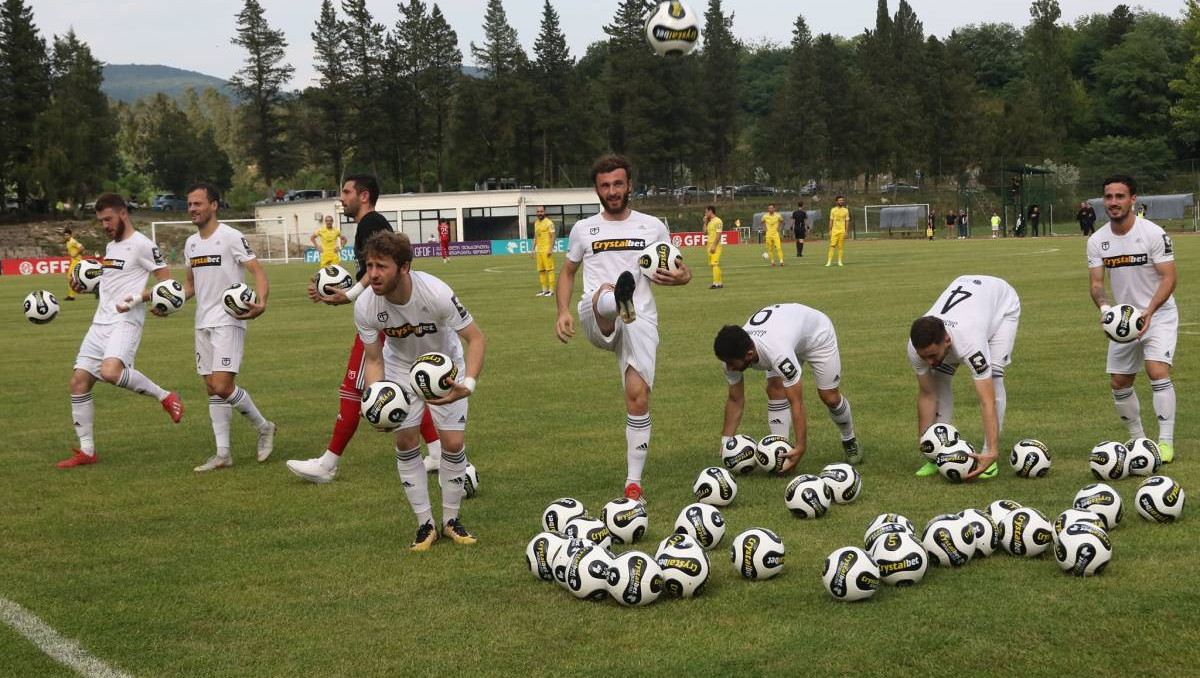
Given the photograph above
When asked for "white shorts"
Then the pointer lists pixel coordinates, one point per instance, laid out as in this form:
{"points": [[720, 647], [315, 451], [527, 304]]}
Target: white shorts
{"points": [[635, 344], [118, 340], [1000, 345], [825, 363], [1157, 344], [452, 417], [219, 349]]}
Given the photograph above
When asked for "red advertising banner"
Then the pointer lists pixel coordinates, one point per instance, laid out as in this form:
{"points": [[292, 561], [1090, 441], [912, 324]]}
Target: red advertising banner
{"points": [[53, 265], [697, 239]]}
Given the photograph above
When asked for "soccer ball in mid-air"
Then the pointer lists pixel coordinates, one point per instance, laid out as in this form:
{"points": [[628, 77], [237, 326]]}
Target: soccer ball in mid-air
{"points": [[238, 299], [634, 579], [1102, 500], [807, 496], [714, 485], [901, 559], [430, 375], [1030, 458], [1082, 549], [738, 454], [659, 255], [672, 28], [1122, 323], [625, 519], [938, 435], [1159, 499], [703, 523], [556, 515], [86, 275], [540, 553], [385, 405], [850, 574], [1142, 457], [843, 480], [954, 462], [40, 307], [331, 279], [167, 297], [1107, 461], [757, 553], [949, 540], [1025, 532], [769, 455]]}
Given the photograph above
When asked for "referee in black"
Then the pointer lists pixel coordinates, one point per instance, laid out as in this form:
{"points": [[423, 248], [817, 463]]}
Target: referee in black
{"points": [[800, 224]]}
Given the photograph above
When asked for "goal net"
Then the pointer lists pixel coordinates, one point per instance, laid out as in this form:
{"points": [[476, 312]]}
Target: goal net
{"points": [[270, 239], [890, 218]]}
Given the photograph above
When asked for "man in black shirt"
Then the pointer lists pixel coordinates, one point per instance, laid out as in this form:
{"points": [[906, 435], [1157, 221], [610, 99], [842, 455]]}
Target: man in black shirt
{"points": [[1086, 216], [800, 224]]}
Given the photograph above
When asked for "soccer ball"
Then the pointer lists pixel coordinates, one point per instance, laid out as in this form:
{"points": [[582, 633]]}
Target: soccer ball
{"points": [[634, 579], [589, 528], [715, 486], [1142, 457], [850, 574], [770, 451], [949, 540], [1122, 323], [937, 436], [385, 405], [843, 480], [238, 299], [901, 559], [1030, 458], [703, 523], [1072, 516], [430, 375], [625, 519], [562, 560], [757, 553], [556, 515], [1025, 532], [676, 539], [807, 496], [40, 307], [672, 28], [1103, 500], [766, 255], [540, 553], [86, 274], [1082, 549], [658, 255], [471, 480], [738, 453], [884, 524], [167, 297], [955, 460], [983, 530], [1107, 461], [684, 566], [587, 575], [1159, 499], [331, 279], [1000, 508]]}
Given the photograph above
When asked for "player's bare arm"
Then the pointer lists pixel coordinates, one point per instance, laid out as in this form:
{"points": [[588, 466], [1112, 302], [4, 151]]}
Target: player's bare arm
{"points": [[926, 403], [372, 362], [1096, 281], [564, 326], [476, 347], [189, 284], [795, 398], [261, 285], [735, 405], [991, 427]]}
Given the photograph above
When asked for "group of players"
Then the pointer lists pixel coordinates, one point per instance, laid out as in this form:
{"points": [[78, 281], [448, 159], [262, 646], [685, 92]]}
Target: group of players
{"points": [[408, 313]]}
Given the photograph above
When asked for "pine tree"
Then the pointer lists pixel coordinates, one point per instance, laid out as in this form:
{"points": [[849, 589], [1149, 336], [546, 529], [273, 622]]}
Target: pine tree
{"points": [[24, 92], [793, 134], [445, 72], [719, 67], [505, 141], [1185, 112], [364, 57], [330, 100], [260, 86], [552, 86], [408, 60]]}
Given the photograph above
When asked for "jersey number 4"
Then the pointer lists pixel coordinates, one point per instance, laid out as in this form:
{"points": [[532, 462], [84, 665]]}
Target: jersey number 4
{"points": [[957, 296]]}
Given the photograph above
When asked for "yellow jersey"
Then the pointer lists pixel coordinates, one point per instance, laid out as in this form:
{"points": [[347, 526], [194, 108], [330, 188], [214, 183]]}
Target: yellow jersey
{"points": [[713, 230], [772, 222], [74, 249], [329, 238], [543, 236], [839, 218]]}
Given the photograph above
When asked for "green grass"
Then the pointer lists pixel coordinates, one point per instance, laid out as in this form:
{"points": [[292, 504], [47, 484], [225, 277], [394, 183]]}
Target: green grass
{"points": [[251, 572]]}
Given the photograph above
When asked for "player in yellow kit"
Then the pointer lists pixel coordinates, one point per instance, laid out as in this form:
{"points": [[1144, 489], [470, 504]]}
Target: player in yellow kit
{"points": [[543, 252], [331, 242], [712, 230], [772, 221], [839, 223], [75, 251]]}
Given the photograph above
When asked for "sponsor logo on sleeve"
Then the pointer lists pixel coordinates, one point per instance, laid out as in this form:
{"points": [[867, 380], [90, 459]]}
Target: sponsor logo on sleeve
{"points": [[158, 258], [1168, 246], [787, 368], [462, 310], [978, 362], [246, 244]]}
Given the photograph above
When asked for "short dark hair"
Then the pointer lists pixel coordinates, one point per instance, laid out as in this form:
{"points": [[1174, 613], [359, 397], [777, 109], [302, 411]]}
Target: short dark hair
{"points": [[927, 331], [67, 231], [211, 191], [711, 208], [109, 201], [395, 246], [732, 343], [1120, 179], [839, 196], [612, 163], [368, 183], [800, 204]]}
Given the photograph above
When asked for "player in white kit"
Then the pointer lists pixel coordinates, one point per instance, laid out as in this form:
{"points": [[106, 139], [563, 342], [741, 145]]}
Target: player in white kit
{"points": [[111, 343], [1140, 260], [417, 314], [217, 255], [617, 310], [780, 339], [973, 323]]}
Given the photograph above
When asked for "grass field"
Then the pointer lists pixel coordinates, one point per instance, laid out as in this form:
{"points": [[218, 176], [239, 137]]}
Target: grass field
{"points": [[252, 572]]}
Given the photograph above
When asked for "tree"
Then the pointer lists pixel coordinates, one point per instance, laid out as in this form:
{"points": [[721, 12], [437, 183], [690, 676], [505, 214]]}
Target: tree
{"points": [[445, 71], [408, 58], [993, 51], [259, 84], [1145, 159], [719, 66], [171, 151], [330, 99], [1130, 82], [798, 151], [24, 92], [364, 53], [504, 144], [552, 86], [1048, 70], [1185, 113]]}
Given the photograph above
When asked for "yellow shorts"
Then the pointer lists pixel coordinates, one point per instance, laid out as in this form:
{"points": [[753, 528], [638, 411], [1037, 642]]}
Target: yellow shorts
{"points": [[545, 261], [330, 259], [836, 239], [714, 258]]}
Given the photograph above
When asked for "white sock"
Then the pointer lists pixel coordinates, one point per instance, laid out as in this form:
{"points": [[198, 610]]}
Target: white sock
{"points": [[606, 304], [330, 459], [221, 415], [637, 445], [416, 485], [83, 414], [139, 383], [1129, 410], [434, 449], [450, 476], [779, 417], [1164, 409], [842, 417], [1001, 395], [241, 401]]}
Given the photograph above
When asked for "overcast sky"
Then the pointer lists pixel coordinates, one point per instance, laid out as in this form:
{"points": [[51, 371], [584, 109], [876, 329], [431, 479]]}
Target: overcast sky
{"points": [[195, 35]]}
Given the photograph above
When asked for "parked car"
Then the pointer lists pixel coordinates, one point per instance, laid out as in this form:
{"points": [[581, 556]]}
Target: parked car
{"points": [[897, 187], [165, 202], [303, 194], [750, 190], [691, 191], [809, 188]]}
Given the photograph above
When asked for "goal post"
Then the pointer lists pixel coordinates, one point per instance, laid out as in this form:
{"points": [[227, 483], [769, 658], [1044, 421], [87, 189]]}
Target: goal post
{"points": [[270, 239], [889, 218]]}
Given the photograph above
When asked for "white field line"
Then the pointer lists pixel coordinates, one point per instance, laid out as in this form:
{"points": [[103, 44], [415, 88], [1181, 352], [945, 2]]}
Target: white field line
{"points": [[56, 646]]}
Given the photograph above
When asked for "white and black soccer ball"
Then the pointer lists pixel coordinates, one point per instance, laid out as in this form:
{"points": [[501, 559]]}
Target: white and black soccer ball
{"points": [[40, 307], [430, 375], [167, 297], [1107, 461], [684, 566], [1000, 508], [1025, 532], [716, 486], [757, 553], [1074, 515], [562, 560], [1103, 500], [949, 540], [1082, 549], [843, 480], [738, 454], [703, 523], [672, 28], [540, 554], [1142, 457], [807, 496], [885, 524], [901, 559], [1122, 323], [850, 574], [385, 405], [938, 435], [471, 480], [635, 579], [983, 529], [673, 540], [589, 528], [86, 274], [556, 515], [769, 455], [332, 279], [1159, 499], [625, 519], [238, 299], [954, 462], [587, 575], [1030, 458], [659, 255]]}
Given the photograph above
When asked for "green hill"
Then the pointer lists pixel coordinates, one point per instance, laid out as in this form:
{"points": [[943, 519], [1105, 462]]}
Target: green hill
{"points": [[129, 82]]}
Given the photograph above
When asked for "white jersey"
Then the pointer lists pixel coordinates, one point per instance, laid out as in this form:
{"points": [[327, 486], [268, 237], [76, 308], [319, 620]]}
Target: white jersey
{"points": [[1130, 261], [785, 336], [126, 264], [974, 308], [607, 248], [428, 322], [216, 264]]}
